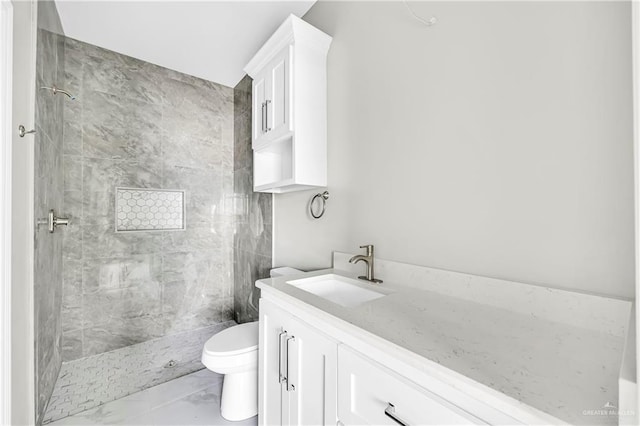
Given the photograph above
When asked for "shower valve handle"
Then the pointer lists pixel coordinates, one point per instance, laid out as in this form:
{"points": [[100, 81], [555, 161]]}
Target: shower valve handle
{"points": [[55, 221]]}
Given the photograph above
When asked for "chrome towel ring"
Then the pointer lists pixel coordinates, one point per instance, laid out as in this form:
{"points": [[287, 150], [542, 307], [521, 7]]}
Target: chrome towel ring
{"points": [[322, 197]]}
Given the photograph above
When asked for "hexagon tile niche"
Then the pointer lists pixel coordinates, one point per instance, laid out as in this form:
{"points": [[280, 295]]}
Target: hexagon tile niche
{"points": [[142, 209]]}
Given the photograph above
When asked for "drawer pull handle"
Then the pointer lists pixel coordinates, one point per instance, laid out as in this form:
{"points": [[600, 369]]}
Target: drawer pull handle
{"points": [[390, 412], [281, 377]]}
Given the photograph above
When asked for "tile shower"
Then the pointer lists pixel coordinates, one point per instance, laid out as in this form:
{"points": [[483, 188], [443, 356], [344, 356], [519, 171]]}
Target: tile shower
{"points": [[141, 126], [48, 141], [252, 241], [135, 307]]}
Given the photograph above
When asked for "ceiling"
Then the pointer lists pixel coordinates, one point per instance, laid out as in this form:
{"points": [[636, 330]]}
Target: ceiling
{"points": [[212, 40]]}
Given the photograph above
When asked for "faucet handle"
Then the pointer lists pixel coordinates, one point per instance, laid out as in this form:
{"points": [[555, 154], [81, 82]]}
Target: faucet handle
{"points": [[369, 248]]}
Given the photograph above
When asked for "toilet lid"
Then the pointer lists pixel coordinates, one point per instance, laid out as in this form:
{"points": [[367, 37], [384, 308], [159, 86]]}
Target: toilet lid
{"points": [[234, 340]]}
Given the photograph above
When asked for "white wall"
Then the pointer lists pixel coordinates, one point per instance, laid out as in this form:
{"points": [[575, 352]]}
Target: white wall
{"points": [[497, 143]]}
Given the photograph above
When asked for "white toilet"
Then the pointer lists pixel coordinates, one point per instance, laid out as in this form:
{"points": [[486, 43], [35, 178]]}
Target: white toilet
{"points": [[234, 353]]}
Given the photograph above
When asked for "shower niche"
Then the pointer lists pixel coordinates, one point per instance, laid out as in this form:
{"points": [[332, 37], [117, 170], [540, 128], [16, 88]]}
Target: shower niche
{"points": [[143, 209]]}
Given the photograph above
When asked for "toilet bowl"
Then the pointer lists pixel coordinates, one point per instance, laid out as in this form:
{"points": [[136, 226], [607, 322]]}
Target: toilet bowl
{"points": [[234, 353]]}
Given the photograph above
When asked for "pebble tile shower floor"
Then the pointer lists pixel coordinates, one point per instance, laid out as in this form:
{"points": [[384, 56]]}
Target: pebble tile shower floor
{"points": [[193, 399]]}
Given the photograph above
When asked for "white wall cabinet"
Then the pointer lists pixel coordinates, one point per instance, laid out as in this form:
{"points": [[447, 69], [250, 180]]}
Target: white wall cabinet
{"points": [[289, 109], [298, 371]]}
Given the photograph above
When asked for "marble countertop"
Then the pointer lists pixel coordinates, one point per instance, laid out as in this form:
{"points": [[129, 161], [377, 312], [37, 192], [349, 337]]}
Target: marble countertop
{"points": [[560, 369]]}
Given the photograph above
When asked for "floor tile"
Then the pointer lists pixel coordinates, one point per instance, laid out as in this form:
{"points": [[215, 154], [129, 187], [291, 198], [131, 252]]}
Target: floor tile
{"points": [[190, 400], [114, 412]]}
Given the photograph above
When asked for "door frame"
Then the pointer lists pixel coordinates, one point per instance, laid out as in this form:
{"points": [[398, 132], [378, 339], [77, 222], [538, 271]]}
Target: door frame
{"points": [[22, 344], [6, 86], [635, 31]]}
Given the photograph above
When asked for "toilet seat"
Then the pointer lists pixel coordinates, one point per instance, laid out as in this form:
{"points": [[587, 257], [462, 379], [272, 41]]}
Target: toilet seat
{"points": [[233, 340], [232, 350]]}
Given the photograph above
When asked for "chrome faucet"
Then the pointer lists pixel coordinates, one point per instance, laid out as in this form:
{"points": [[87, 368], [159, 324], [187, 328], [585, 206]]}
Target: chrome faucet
{"points": [[368, 259]]}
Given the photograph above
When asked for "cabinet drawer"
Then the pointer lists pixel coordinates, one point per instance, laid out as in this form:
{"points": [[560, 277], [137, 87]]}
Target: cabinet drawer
{"points": [[366, 388]]}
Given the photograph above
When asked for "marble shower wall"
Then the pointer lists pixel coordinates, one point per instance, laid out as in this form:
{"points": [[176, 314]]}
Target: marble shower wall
{"points": [[252, 242], [48, 195], [139, 125]]}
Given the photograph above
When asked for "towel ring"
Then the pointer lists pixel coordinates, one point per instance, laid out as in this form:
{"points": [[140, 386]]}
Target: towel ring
{"points": [[323, 197]]}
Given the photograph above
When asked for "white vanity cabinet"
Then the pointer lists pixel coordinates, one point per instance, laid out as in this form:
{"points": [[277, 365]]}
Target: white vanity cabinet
{"points": [[307, 378], [369, 393], [289, 109], [297, 363], [315, 369]]}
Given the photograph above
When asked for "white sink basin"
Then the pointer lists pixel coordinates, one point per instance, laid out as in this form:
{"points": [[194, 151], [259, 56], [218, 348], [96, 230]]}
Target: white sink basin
{"points": [[337, 289]]}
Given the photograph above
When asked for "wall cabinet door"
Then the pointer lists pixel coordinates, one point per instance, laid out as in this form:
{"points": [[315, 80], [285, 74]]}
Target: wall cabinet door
{"points": [[259, 93], [278, 101], [272, 101], [369, 393], [298, 371]]}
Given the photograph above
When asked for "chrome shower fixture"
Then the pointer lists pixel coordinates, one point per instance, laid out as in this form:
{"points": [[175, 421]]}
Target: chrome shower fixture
{"points": [[56, 90]]}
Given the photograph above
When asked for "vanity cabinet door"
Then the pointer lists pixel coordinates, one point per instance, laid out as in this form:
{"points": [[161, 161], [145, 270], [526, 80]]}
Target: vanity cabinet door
{"points": [[271, 363], [297, 371], [369, 393], [312, 375]]}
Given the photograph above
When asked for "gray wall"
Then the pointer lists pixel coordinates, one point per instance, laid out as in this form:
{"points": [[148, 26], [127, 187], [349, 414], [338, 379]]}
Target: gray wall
{"points": [[497, 143], [138, 125], [252, 240], [47, 195]]}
